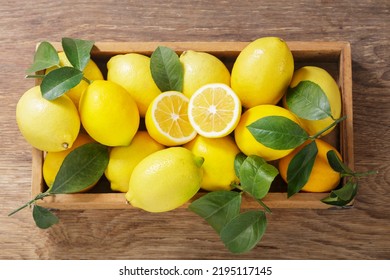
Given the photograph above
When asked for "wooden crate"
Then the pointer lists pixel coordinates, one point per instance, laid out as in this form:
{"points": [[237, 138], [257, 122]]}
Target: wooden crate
{"points": [[332, 56]]}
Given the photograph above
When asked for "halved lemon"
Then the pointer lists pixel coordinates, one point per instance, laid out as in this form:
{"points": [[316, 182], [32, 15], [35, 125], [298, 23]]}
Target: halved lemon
{"points": [[167, 121], [214, 110]]}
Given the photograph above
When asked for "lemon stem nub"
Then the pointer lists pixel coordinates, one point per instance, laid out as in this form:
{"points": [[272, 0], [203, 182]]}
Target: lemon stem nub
{"points": [[65, 145], [199, 161]]}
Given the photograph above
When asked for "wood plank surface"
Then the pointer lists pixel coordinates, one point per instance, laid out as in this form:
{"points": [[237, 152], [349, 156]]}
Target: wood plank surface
{"points": [[361, 232]]}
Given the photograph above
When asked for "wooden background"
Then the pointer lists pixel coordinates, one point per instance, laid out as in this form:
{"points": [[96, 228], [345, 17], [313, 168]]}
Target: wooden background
{"points": [[358, 233]]}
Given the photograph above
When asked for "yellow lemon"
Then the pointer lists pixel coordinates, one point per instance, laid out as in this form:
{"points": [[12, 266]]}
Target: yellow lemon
{"points": [[322, 177], [132, 71], [124, 159], [50, 126], [53, 160], [218, 166], [109, 114], [329, 86], [165, 180], [202, 68], [247, 143], [214, 110], [262, 72], [91, 72], [167, 119]]}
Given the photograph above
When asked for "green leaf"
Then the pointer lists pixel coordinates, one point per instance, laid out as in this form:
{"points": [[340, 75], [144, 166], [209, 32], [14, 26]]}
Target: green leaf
{"points": [[77, 51], [308, 101], [336, 163], [256, 176], [59, 81], [242, 233], [166, 69], [217, 208], [45, 57], [43, 217], [81, 168], [238, 160], [342, 196], [277, 132], [299, 169]]}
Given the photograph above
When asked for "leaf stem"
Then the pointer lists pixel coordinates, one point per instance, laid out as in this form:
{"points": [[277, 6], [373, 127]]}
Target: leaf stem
{"points": [[39, 196], [318, 134], [267, 209], [39, 76], [87, 80]]}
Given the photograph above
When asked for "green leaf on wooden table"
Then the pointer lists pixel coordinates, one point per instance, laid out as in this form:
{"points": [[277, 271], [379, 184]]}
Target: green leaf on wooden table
{"points": [[256, 176], [336, 163], [242, 233], [167, 70], [45, 57], [77, 51], [299, 169], [342, 196], [308, 101], [81, 168], [277, 132], [43, 217], [238, 160], [59, 81], [217, 208]]}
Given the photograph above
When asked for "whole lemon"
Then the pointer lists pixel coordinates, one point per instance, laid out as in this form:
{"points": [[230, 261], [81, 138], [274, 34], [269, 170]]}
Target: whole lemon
{"points": [[50, 126], [201, 68], [91, 72], [218, 166], [109, 114], [329, 86], [247, 143], [53, 160], [165, 180], [262, 72], [123, 160], [322, 177], [132, 71]]}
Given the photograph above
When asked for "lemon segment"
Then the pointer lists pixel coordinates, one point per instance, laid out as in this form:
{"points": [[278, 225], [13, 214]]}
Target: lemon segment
{"points": [[214, 110], [167, 119]]}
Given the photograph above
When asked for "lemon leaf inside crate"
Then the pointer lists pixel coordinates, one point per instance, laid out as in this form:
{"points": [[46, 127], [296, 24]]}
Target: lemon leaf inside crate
{"points": [[77, 51], [81, 168], [59, 81], [308, 101], [166, 69]]}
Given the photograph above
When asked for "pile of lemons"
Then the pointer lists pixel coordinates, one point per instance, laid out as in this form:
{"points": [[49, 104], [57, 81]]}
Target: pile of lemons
{"points": [[165, 146]]}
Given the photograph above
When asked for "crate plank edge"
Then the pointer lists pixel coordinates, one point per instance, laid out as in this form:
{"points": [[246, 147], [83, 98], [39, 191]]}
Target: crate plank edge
{"points": [[304, 53]]}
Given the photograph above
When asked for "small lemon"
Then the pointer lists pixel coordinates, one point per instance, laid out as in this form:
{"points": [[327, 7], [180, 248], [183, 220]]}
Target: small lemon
{"points": [[53, 160], [91, 72], [132, 71], [247, 143], [322, 177], [329, 86], [165, 180], [124, 159], [109, 114], [262, 72], [202, 68], [218, 166], [50, 126]]}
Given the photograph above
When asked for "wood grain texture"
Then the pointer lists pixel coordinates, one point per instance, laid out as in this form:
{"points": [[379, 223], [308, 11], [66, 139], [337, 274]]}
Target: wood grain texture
{"points": [[358, 233]]}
